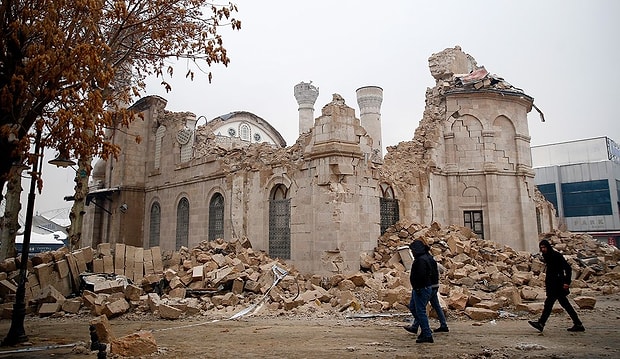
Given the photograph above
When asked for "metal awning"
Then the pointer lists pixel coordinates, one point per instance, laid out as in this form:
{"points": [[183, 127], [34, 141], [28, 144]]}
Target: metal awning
{"points": [[98, 194]]}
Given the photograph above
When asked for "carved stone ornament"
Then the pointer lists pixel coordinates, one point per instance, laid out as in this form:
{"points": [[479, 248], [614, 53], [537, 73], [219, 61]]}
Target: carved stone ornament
{"points": [[184, 136]]}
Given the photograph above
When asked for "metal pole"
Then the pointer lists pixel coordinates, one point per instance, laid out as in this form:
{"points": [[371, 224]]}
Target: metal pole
{"points": [[17, 333]]}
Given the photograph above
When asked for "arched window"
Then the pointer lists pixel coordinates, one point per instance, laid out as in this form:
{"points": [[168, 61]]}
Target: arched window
{"points": [[182, 223], [388, 207], [159, 135], [155, 223], [216, 217], [244, 132], [279, 223]]}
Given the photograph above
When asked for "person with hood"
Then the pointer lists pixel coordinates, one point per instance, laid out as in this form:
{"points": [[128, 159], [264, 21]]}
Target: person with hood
{"points": [[422, 272], [443, 325], [557, 282]]}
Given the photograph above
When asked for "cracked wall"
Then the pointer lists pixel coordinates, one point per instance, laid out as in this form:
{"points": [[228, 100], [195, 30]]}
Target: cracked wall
{"points": [[470, 153]]}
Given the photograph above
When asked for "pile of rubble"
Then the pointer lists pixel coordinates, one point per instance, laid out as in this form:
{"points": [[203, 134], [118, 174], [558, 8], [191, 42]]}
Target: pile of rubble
{"points": [[483, 276], [230, 279]]}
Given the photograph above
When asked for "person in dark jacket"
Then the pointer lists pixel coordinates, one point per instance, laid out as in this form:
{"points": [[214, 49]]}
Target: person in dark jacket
{"points": [[421, 284], [434, 300], [557, 282]]}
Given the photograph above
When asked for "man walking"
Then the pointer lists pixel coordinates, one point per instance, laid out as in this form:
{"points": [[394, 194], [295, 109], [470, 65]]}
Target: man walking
{"points": [[421, 283], [557, 282], [443, 325]]}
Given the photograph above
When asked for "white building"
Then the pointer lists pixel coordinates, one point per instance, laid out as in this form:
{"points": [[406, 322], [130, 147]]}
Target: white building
{"points": [[582, 179]]}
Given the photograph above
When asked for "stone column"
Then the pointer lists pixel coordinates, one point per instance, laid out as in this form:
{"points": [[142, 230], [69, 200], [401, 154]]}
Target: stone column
{"points": [[369, 99], [306, 94]]}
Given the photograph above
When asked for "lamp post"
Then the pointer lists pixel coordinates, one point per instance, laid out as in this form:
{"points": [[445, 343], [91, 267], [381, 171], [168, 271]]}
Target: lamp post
{"points": [[17, 333]]}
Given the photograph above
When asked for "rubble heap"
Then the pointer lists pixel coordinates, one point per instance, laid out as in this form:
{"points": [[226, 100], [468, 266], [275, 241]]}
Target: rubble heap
{"points": [[484, 274], [221, 278]]}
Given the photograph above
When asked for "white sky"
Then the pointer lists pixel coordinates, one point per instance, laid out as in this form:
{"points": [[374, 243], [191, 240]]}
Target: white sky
{"points": [[563, 53]]}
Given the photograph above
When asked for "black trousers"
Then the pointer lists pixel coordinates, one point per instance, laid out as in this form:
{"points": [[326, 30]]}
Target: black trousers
{"points": [[561, 298]]}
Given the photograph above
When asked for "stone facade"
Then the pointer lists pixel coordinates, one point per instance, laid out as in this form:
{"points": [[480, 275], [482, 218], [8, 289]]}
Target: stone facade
{"points": [[322, 202]]}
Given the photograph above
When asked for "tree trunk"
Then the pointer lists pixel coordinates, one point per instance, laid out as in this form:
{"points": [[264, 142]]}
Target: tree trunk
{"points": [[79, 201], [9, 223]]}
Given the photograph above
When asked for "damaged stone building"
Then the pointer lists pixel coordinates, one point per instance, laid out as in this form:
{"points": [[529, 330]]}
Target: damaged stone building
{"points": [[322, 202]]}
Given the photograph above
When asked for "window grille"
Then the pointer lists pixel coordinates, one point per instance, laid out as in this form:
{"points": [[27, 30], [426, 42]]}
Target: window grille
{"points": [[280, 223], [388, 207], [216, 217], [182, 223], [154, 227]]}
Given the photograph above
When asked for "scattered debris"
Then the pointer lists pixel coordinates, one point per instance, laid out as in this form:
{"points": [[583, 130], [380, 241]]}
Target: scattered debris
{"points": [[483, 280]]}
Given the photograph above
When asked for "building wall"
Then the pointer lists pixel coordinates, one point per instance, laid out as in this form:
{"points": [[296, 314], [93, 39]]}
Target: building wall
{"points": [[556, 180], [333, 190], [488, 165], [472, 153]]}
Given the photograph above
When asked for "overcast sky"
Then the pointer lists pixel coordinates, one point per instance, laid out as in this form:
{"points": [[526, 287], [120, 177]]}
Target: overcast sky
{"points": [[563, 53]]}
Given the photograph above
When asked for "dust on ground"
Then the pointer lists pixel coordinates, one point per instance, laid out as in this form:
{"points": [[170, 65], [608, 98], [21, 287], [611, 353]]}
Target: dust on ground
{"points": [[342, 335]]}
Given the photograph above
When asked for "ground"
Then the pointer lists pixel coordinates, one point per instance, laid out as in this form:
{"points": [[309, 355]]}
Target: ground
{"points": [[341, 335]]}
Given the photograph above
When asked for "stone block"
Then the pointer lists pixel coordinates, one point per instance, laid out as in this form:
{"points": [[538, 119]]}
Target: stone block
{"points": [[41, 258], [108, 286], [178, 292], [169, 312], [481, 313], [487, 304], [73, 267], [50, 294], [148, 262], [252, 286], [153, 301], [7, 287], [8, 265], [104, 249], [108, 264], [529, 293], [72, 306], [140, 344], [138, 265], [358, 279], [457, 301], [103, 329], [197, 273], [98, 265], [80, 259], [133, 292], [45, 273], [87, 254], [115, 308], [47, 309], [88, 299], [158, 266], [63, 268], [169, 274], [119, 258], [584, 302], [237, 286]]}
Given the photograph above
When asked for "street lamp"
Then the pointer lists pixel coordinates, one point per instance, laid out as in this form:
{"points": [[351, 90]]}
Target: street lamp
{"points": [[61, 161], [17, 333]]}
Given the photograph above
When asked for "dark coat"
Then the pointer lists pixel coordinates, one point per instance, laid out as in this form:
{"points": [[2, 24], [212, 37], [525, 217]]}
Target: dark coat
{"points": [[558, 271], [424, 267]]}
